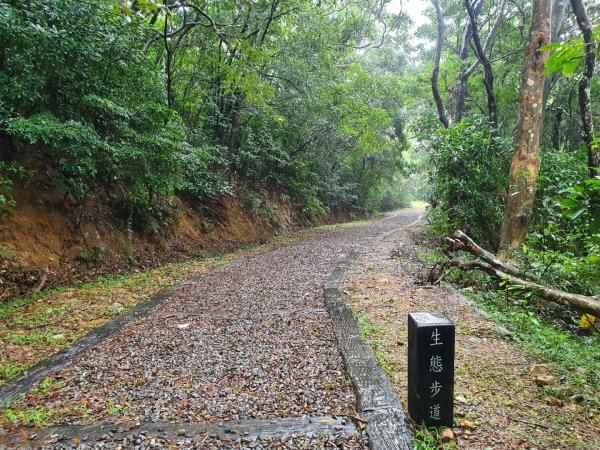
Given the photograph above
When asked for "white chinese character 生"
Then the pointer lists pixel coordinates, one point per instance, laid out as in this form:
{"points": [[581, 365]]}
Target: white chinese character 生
{"points": [[435, 338], [435, 364], [434, 412], [435, 389]]}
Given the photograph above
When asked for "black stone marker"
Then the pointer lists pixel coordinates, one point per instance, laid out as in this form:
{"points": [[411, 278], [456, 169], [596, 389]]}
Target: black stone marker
{"points": [[430, 369]]}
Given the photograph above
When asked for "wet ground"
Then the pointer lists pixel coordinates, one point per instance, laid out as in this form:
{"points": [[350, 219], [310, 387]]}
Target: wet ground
{"points": [[251, 341]]}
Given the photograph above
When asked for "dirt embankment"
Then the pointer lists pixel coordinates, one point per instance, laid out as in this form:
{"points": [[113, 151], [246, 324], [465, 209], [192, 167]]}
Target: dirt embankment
{"points": [[46, 240]]}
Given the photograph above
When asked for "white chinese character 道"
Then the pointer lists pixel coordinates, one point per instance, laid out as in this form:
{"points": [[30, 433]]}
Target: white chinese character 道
{"points": [[434, 412]]}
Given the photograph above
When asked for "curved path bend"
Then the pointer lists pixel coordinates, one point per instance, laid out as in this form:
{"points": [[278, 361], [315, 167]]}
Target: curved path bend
{"points": [[243, 357]]}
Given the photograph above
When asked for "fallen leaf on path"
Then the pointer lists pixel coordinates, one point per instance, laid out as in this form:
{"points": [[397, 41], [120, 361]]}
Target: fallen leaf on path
{"points": [[467, 424], [553, 401]]}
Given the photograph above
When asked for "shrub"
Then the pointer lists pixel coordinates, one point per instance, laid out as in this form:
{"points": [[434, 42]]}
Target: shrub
{"points": [[469, 178]]}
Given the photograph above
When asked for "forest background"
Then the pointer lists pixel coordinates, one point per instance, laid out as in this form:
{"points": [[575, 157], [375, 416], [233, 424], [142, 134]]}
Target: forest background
{"points": [[136, 114]]}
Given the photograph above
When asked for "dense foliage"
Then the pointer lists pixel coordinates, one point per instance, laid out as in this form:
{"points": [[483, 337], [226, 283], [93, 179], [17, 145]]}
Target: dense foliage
{"points": [[469, 160], [145, 100]]}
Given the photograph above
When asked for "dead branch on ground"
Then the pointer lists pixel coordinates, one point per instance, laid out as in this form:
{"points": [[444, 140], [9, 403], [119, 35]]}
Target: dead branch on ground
{"points": [[491, 265]]}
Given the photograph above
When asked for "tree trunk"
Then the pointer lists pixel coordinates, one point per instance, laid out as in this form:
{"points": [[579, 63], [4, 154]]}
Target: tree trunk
{"points": [[557, 18], [556, 129], [168, 61], [436, 65], [461, 90], [516, 276], [464, 51], [460, 241], [526, 160], [559, 8], [487, 67], [585, 304], [585, 84]]}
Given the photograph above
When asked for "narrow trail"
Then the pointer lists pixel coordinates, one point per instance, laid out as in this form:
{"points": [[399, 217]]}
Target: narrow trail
{"points": [[245, 353]]}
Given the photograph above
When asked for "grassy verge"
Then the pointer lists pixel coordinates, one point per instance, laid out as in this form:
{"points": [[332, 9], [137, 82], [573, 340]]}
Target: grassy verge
{"points": [[373, 333], [574, 358]]}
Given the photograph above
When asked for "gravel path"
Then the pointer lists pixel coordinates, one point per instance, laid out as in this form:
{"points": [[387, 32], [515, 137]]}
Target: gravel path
{"points": [[251, 340]]}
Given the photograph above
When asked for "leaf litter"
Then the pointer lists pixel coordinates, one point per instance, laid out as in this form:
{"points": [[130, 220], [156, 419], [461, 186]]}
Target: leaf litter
{"points": [[247, 341]]}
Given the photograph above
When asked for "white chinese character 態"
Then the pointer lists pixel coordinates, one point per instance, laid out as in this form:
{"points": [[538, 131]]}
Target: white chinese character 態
{"points": [[435, 364]]}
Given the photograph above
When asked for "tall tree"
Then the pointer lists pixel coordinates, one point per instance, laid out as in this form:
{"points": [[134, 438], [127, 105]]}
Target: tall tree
{"points": [[585, 84], [436, 65], [488, 80], [526, 160], [461, 90]]}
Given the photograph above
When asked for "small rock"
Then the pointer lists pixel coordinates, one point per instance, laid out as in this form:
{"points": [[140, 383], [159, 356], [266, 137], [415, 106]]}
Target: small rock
{"points": [[539, 369], [553, 401], [446, 435], [545, 380], [577, 398], [467, 424], [181, 432], [461, 399]]}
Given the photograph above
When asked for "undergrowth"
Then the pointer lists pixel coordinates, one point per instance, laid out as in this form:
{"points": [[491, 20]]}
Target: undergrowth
{"points": [[429, 439], [547, 332], [574, 357]]}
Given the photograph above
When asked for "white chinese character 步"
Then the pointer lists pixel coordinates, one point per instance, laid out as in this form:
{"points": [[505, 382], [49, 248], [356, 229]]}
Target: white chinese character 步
{"points": [[435, 338], [435, 389], [435, 364]]}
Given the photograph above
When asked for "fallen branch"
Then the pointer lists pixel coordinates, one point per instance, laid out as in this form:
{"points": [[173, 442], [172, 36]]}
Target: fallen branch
{"points": [[583, 303], [535, 424], [463, 242], [40, 284]]}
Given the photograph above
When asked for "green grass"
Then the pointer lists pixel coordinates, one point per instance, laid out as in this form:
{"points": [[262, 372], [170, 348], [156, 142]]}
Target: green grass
{"points": [[48, 385], [574, 358], [429, 439], [36, 338], [8, 371], [38, 417], [373, 334]]}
